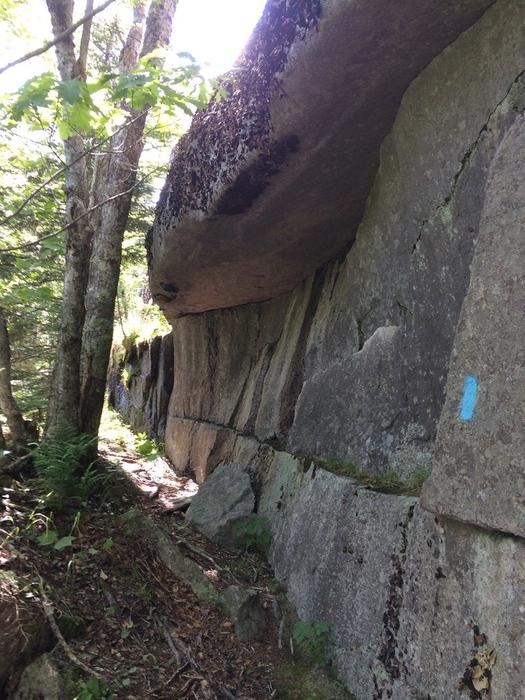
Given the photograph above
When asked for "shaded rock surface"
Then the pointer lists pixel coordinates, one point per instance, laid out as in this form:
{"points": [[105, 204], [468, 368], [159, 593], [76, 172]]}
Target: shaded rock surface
{"points": [[140, 385], [401, 590], [246, 609], [479, 469], [223, 501], [272, 182], [44, 679], [352, 364]]}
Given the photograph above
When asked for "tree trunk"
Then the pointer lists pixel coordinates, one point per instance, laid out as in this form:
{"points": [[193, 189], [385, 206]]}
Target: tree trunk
{"points": [[64, 400], [2, 442], [8, 405], [120, 174]]}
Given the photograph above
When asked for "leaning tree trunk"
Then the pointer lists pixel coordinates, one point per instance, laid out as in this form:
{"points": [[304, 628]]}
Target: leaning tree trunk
{"points": [[120, 171], [8, 404], [64, 400]]}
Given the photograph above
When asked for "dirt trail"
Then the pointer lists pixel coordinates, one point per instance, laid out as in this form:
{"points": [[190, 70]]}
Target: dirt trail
{"points": [[123, 614]]}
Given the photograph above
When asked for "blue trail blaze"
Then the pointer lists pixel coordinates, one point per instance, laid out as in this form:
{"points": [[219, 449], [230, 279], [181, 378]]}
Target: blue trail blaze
{"points": [[470, 396]]}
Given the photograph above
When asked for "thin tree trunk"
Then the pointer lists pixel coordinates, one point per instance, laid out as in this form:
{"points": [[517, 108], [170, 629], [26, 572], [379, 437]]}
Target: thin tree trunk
{"points": [[2, 441], [64, 400], [120, 174], [8, 404]]}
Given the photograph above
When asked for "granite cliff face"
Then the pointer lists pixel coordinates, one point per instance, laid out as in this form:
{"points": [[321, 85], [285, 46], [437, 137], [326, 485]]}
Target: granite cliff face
{"points": [[392, 335]]}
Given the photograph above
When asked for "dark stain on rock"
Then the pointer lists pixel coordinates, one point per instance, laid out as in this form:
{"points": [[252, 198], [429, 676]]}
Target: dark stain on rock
{"points": [[389, 655], [170, 288], [231, 129], [439, 573], [252, 182]]}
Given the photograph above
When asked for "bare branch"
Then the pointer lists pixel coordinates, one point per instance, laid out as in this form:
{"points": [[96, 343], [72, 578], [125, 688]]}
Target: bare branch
{"points": [[48, 609], [24, 246], [84, 41], [58, 37]]}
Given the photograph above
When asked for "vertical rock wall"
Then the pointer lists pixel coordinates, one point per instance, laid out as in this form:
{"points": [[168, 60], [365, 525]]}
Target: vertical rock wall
{"points": [[423, 603], [140, 384], [353, 363]]}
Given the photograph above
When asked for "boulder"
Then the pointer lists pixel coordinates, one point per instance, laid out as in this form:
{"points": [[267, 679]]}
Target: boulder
{"points": [[44, 679], [225, 499], [245, 607]]}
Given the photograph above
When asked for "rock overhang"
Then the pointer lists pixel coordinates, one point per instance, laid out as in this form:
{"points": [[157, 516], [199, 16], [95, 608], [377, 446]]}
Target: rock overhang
{"points": [[271, 182]]}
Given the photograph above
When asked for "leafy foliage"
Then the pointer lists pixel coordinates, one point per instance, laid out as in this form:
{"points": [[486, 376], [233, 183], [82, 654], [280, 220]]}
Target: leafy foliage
{"points": [[94, 689], [147, 447], [90, 107], [33, 123], [389, 482], [253, 534], [63, 476], [312, 641]]}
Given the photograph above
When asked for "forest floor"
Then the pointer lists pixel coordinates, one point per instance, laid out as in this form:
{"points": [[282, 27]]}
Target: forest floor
{"points": [[138, 630]]}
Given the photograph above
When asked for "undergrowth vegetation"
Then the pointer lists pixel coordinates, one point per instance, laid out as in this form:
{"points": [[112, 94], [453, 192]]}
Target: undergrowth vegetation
{"points": [[389, 482], [148, 447], [312, 641], [253, 534], [64, 474]]}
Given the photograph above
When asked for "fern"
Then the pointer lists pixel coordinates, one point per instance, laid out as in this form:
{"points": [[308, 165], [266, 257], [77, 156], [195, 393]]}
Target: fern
{"points": [[253, 534], [63, 476], [312, 641]]}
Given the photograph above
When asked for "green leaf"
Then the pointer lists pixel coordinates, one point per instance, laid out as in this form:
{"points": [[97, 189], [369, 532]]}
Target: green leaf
{"points": [[71, 91], [23, 263], [64, 542], [79, 116], [33, 93], [64, 129], [47, 538]]}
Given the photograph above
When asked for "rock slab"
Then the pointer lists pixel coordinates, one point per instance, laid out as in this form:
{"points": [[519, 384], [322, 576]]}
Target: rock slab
{"points": [[271, 182], [226, 498], [245, 607], [479, 467], [406, 595]]}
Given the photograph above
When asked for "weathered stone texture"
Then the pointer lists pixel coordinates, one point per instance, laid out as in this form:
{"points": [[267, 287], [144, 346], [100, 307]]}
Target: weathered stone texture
{"points": [[222, 502], [270, 184], [353, 363], [401, 590], [479, 469], [142, 397]]}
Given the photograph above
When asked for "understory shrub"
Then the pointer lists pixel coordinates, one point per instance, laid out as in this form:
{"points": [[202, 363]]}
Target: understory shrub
{"points": [[312, 641], [63, 474], [253, 534]]}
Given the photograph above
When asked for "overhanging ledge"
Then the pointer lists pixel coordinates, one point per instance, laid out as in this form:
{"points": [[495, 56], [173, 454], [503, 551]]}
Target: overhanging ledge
{"points": [[271, 182]]}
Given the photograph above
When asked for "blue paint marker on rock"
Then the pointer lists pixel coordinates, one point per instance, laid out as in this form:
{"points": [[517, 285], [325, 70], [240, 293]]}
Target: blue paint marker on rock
{"points": [[470, 396]]}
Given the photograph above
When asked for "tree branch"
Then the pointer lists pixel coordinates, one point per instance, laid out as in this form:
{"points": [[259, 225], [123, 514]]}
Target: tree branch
{"points": [[23, 246], [58, 37], [68, 165], [84, 40]]}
